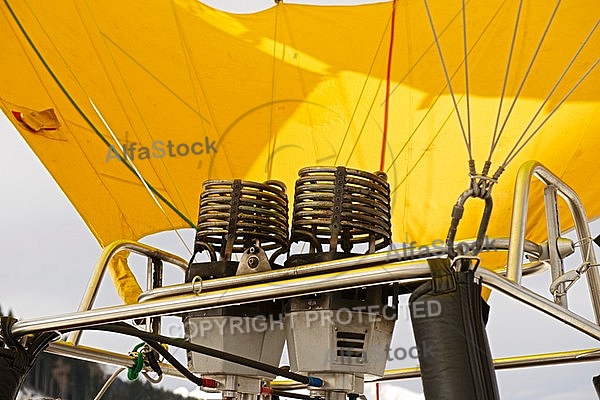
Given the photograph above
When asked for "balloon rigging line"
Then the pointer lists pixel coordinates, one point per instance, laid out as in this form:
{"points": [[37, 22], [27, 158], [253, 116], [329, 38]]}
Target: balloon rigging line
{"points": [[79, 82], [362, 128], [135, 104], [441, 55], [565, 97], [360, 97], [192, 71], [305, 92], [388, 78], [466, 62], [273, 138], [137, 172], [439, 95], [429, 48], [59, 84], [83, 114], [527, 72], [504, 84], [422, 155], [191, 108], [547, 98]]}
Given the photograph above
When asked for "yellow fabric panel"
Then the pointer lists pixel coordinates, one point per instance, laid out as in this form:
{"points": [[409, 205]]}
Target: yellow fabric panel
{"points": [[295, 86], [123, 279]]}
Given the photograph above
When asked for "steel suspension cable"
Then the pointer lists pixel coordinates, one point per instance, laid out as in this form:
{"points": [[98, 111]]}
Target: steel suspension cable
{"points": [[505, 82], [273, 138], [448, 81], [528, 71], [562, 100], [439, 95], [466, 62], [517, 146]]}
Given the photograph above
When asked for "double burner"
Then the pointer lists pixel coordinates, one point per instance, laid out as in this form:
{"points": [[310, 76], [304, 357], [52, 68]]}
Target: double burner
{"points": [[338, 210]]}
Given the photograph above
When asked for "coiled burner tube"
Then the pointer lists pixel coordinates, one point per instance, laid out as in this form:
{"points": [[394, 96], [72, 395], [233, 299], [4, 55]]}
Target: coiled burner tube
{"points": [[234, 213], [341, 206]]}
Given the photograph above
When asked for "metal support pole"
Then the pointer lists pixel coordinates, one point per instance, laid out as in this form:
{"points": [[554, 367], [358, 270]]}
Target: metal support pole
{"points": [[519, 219], [538, 302], [553, 226], [533, 360], [403, 272], [107, 254]]}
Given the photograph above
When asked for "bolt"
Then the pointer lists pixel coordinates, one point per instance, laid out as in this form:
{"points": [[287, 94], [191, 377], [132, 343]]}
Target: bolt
{"points": [[253, 262]]}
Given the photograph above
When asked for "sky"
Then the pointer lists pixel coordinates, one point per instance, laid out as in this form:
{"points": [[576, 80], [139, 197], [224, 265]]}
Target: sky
{"points": [[49, 255]]}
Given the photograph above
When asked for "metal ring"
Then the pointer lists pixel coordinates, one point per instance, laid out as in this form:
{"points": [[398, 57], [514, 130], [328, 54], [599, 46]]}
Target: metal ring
{"points": [[57, 338], [194, 280], [484, 178], [464, 257]]}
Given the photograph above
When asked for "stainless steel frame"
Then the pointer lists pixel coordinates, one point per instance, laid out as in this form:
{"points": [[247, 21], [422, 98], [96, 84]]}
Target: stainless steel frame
{"points": [[108, 253], [532, 360], [519, 220], [359, 271], [403, 272]]}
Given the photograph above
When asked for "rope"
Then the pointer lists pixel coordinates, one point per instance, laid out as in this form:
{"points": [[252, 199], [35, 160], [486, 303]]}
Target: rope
{"points": [[109, 382], [387, 88], [134, 372], [85, 117]]}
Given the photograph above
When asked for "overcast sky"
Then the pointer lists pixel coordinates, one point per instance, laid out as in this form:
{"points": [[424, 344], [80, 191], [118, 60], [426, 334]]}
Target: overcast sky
{"points": [[49, 254]]}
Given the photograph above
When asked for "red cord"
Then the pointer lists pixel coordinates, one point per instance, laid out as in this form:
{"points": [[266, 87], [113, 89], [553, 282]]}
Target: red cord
{"points": [[387, 89]]}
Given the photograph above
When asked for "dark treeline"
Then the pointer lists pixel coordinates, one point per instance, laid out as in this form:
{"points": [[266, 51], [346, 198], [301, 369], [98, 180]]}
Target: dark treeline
{"points": [[71, 379]]}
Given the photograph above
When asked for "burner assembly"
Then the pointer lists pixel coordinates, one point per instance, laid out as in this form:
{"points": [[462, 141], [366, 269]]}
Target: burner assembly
{"points": [[338, 209], [340, 212], [340, 336], [243, 220]]}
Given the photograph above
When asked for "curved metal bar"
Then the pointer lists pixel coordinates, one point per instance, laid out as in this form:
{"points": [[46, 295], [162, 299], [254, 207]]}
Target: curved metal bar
{"points": [[108, 253], [403, 272], [516, 291], [519, 219], [531, 248], [532, 360]]}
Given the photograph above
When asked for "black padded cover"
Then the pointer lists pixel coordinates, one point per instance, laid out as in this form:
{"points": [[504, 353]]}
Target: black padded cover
{"points": [[447, 315]]}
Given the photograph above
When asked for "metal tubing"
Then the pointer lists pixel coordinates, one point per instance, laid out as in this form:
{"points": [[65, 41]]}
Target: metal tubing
{"points": [[553, 227], [533, 360], [538, 302], [404, 272], [107, 254], [92, 354], [116, 359], [313, 269], [519, 219]]}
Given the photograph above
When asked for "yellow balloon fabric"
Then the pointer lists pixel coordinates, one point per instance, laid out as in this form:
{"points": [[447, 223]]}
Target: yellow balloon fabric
{"points": [[190, 93], [123, 279]]}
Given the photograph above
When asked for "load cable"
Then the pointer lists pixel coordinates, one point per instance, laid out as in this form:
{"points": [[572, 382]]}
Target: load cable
{"points": [[387, 88], [154, 339]]}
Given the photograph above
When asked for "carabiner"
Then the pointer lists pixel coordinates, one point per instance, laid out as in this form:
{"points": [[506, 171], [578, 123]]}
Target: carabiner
{"points": [[457, 214]]}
